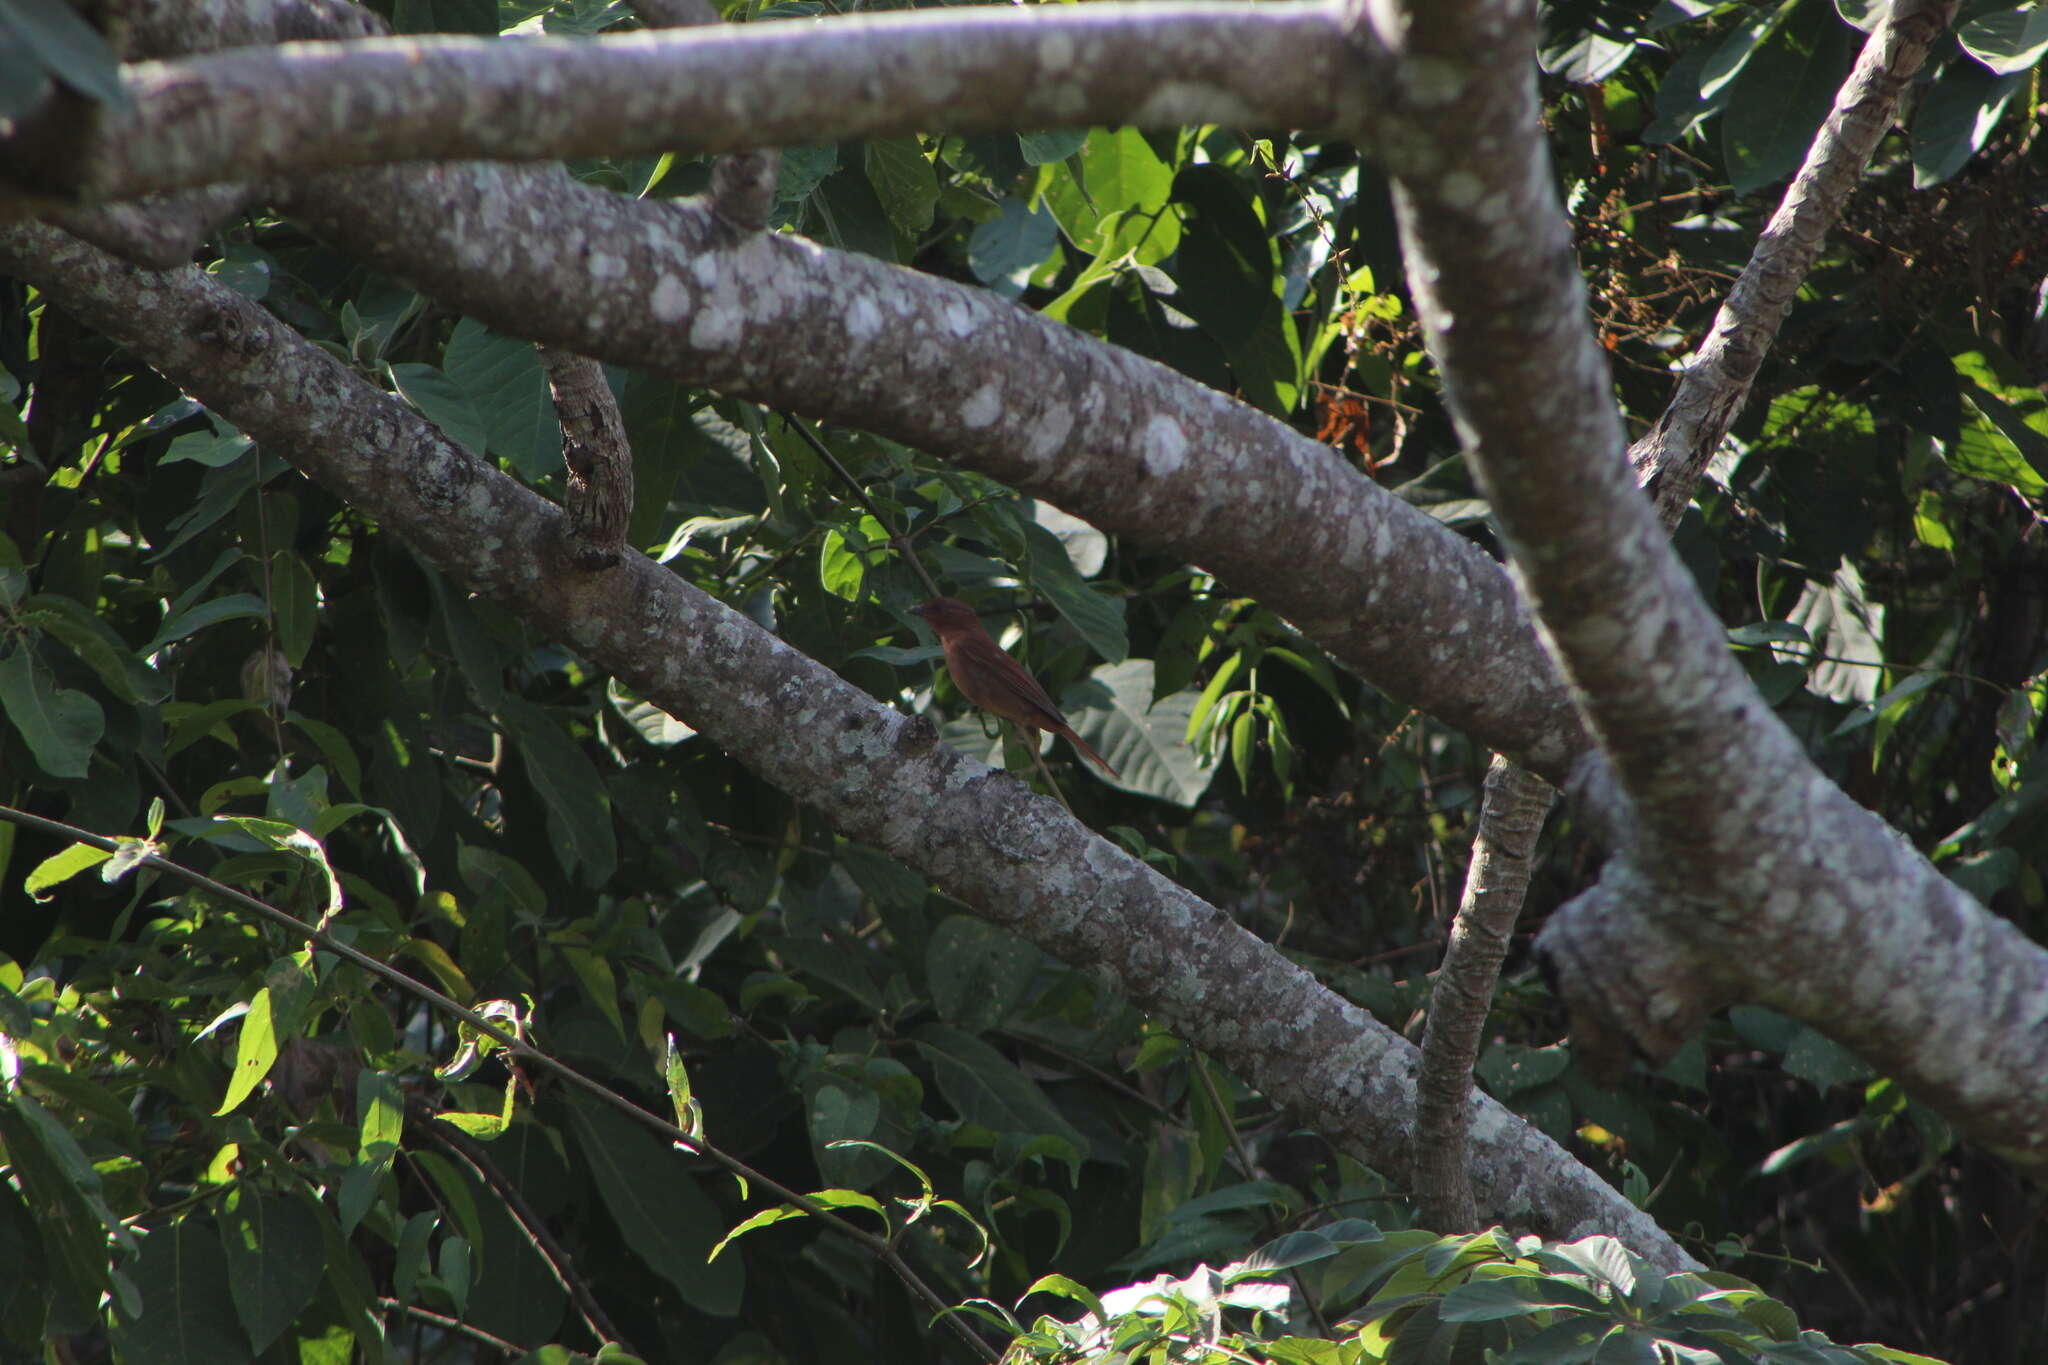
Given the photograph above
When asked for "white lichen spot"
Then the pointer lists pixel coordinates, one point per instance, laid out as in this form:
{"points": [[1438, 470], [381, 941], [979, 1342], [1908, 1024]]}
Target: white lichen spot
{"points": [[716, 326], [1192, 102], [958, 319], [982, 407], [706, 269], [1163, 446], [1461, 189], [863, 317], [1049, 434], [670, 299], [606, 266], [1055, 52]]}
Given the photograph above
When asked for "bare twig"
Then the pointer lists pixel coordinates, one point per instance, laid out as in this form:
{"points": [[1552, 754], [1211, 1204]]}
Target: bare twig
{"points": [[518, 1047]]}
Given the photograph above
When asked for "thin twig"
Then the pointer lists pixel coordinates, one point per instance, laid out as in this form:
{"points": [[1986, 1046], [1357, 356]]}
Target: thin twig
{"points": [[512, 1349], [552, 1253], [897, 540], [881, 1247]]}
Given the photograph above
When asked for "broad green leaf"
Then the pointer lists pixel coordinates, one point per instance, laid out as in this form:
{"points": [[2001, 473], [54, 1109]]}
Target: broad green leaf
{"points": [[60, 725], [294, 605], [1955, 116], [275, 1260], [1042, 148], [89, 636], [1146, 740], [978, 972], [1784, 92], [62, 43], [234, 606], [1098, 617], [904, 181], [188, 1310], [443, 402], [579, 814], [508, 390], [986, 1089], [2007, 41], [665, 1217], [1010, 246], [1741, 46]]}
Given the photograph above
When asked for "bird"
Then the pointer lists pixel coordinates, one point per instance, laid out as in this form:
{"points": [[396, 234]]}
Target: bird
{"points": [[994, 681]]}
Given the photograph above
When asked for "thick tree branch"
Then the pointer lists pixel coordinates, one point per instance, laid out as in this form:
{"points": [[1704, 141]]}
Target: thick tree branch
{"points": [[262, 112], [1747, 874], [1123, 442], [874, 772], [743, 184], [1672, 455]]}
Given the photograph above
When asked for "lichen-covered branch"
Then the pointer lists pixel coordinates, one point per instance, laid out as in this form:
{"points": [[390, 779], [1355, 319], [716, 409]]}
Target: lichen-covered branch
{"points": [[254, 113], [1511, 815], [874, 772], [1743, 873], [1672, 455]]}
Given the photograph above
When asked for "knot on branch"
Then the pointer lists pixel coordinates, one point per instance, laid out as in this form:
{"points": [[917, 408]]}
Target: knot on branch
{"points": [[1633, 988]]}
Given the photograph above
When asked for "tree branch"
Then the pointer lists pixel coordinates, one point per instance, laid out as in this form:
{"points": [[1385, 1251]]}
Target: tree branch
{"points": [[1511, 815], [874, 772], [1744, 873], [257, 113], [1672, 455]]}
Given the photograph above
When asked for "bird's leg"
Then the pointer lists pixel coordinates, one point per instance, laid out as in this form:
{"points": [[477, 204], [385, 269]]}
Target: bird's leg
{"points": [[1038, 759]]}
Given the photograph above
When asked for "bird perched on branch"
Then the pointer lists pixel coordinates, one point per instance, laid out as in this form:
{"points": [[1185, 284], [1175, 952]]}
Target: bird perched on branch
{"points": [[992, 679]]}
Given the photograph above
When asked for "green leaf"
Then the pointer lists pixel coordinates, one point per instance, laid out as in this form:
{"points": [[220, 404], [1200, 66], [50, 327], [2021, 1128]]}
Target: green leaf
{"points": [[1098, 617], [503, 380], [67, 47], [978, 972], [294, 605], [1147, 740], [255, 1053], [1013, 244], [1783, 94], [904, 181], [841, 568], [987, 1090], [124, 672], [764, 1219], [1955, 117], [1041, 149], [2008, 41], [1516, 1296], [188, 1311], [60, 725], [234, 606], [62, 867], [579, 812], [443, 402], [665, 1217], [275, 1260]]}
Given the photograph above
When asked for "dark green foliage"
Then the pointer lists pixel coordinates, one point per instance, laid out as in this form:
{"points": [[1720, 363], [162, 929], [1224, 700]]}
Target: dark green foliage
{"points": [[219, 1139]]}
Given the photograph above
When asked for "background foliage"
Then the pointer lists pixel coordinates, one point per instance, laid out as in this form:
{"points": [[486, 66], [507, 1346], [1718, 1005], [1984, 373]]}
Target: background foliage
{"points": [[216, 1130]]}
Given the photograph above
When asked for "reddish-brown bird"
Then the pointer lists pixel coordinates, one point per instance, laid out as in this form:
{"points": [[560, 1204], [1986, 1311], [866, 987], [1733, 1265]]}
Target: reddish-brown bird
{"points": [[992, 679]]}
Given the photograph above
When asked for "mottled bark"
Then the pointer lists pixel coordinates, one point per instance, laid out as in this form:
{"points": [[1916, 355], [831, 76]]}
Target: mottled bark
{"points": [[1511, 815], [876, 773], [1742, 874], [597, 495], [258, 113], [1670, 458]]}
